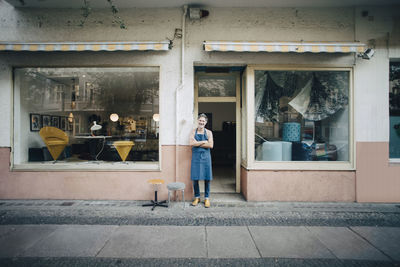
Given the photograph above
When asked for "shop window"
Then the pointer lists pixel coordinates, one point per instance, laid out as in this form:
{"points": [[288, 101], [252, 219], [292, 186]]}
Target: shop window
{"points": [[104, 115], [394, 110], [302, 115]]}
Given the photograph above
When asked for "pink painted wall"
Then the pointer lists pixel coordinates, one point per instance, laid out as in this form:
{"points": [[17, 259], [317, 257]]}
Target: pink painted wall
{"points": [[243, 182], [184, 159], [299, 185], [377, 180], [123, 185]]}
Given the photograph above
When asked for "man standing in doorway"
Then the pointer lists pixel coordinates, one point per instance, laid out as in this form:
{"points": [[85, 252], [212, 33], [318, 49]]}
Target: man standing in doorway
{"points": [[201, 140]]}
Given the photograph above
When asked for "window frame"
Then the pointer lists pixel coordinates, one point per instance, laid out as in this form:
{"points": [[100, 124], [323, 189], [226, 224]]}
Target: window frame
{"points": [[87, 165], [252, 164]]}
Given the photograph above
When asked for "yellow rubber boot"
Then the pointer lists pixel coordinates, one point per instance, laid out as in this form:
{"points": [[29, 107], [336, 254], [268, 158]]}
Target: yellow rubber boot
{"points": [[196, 201], [207, 203]]}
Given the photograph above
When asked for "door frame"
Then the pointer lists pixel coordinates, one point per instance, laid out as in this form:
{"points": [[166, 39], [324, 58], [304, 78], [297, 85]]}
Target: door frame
{"points": [[218, 99]]}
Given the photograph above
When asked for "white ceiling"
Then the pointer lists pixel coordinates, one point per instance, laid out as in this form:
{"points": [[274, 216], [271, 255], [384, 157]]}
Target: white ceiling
{"points": [[205, 3]]}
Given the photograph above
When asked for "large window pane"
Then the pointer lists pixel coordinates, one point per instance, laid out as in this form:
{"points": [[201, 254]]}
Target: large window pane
{"points": [[394, 110], [301, 115], [123, 101]]}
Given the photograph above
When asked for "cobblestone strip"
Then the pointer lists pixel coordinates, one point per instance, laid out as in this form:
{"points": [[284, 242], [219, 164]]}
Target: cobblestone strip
{"points": [[277, 262]]}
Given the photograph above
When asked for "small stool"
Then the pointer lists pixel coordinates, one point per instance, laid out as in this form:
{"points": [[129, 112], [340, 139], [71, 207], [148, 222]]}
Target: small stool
{"points": [[155, 202], [174, 187]]}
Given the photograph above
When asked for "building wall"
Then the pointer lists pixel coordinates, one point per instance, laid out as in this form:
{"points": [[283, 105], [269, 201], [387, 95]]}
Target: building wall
{"points": [[120, 185], [251, 24], [376, 179]]}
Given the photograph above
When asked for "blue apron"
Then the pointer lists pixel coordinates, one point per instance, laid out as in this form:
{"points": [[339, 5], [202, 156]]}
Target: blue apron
{"points": [[201, 160]]}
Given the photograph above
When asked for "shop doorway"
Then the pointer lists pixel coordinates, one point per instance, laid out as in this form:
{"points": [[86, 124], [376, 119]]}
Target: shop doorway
{"points": [[218, 96], [223, 125]]}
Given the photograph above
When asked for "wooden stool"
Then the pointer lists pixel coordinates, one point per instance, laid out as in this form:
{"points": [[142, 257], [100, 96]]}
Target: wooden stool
{"points": [[155, 202]]}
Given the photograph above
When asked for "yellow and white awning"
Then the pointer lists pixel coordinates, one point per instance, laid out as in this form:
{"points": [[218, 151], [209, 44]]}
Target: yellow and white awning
{"points": [[85, 46], [297, 47]]}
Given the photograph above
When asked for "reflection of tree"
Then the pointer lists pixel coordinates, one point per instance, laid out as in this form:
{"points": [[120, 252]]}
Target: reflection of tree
{"points": [[328, 92], [217, 87], [394, 91], [125, 93]]}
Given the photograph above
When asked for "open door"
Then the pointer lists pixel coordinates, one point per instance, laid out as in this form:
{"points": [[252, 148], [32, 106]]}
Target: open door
{"points": [[218, 95]]}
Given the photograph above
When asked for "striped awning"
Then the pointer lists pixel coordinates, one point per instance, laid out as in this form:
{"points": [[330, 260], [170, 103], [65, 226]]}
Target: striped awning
{"points": [[297, 47], [86, 46]]}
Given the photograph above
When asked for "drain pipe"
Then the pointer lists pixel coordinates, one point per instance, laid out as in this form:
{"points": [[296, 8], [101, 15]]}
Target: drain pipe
{"points": [[185, 7]]}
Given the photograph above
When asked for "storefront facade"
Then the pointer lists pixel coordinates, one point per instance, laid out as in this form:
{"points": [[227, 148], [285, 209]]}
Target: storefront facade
{"points": [[297, 113]]}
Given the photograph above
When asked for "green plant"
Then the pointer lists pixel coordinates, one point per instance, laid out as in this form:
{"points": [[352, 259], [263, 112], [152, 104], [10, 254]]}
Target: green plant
{"points": [[117, 19], [87, 10]]}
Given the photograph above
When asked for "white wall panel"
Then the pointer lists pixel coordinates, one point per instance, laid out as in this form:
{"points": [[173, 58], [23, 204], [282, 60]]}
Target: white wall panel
{"points": [[5, 104], [372, 76]]}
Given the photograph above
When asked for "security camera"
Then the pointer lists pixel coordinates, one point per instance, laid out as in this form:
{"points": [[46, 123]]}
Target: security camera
{"points": [[368, 53]]}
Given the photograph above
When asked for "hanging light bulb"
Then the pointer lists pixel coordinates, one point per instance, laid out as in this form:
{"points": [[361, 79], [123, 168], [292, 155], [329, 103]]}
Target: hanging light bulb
{"points": [[71, 117], [156, 117], [114, 117]]}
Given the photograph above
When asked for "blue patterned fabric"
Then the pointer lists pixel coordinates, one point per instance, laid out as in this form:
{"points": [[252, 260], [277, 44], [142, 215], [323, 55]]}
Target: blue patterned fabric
{"points": [[201, 160], [291, 132]]}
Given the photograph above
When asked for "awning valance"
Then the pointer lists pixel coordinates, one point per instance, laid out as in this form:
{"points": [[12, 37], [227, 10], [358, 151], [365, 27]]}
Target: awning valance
{"points": [[297, 47], [85, 46]]}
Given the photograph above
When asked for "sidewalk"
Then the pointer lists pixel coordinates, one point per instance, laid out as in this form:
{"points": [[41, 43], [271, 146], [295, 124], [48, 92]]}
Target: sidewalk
{"points": [[122, 233]]}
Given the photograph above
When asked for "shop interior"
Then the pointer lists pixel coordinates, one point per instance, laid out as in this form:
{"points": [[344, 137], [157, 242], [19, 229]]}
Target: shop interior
{"points": [[87, 114], [302, 115]]}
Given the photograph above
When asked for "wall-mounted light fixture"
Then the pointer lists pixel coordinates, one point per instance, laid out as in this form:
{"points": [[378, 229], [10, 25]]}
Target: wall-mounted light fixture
{"points": [[197, 13]]}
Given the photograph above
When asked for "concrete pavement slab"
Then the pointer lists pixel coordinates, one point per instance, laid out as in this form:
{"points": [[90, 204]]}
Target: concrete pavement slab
{"points": [[156, 242], [17, 238], [288, 242], [386, 239], [6, 229], [72, 241], [345, 244], [230, 242]]}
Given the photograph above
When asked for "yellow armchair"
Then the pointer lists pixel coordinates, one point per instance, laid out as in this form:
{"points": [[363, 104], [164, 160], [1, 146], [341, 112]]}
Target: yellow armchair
{"points": [[55, 140], [123, 148]]}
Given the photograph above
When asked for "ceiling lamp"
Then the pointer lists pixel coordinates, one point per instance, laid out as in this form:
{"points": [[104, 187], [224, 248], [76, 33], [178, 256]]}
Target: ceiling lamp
{"points": [[114, 117], [156, 117]]}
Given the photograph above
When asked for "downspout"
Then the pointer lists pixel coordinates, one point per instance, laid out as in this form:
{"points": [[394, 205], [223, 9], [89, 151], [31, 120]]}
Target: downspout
{"points": [[185, 7]]}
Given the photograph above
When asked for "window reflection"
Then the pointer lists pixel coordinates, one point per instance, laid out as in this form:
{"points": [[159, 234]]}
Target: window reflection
{"points": [[121, 101], [394, 110], [211, 86], [302, 115]]}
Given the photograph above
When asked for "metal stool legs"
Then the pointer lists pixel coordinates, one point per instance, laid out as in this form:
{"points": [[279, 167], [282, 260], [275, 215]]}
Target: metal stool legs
{"points": [[155, 202], [183, 196]]}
